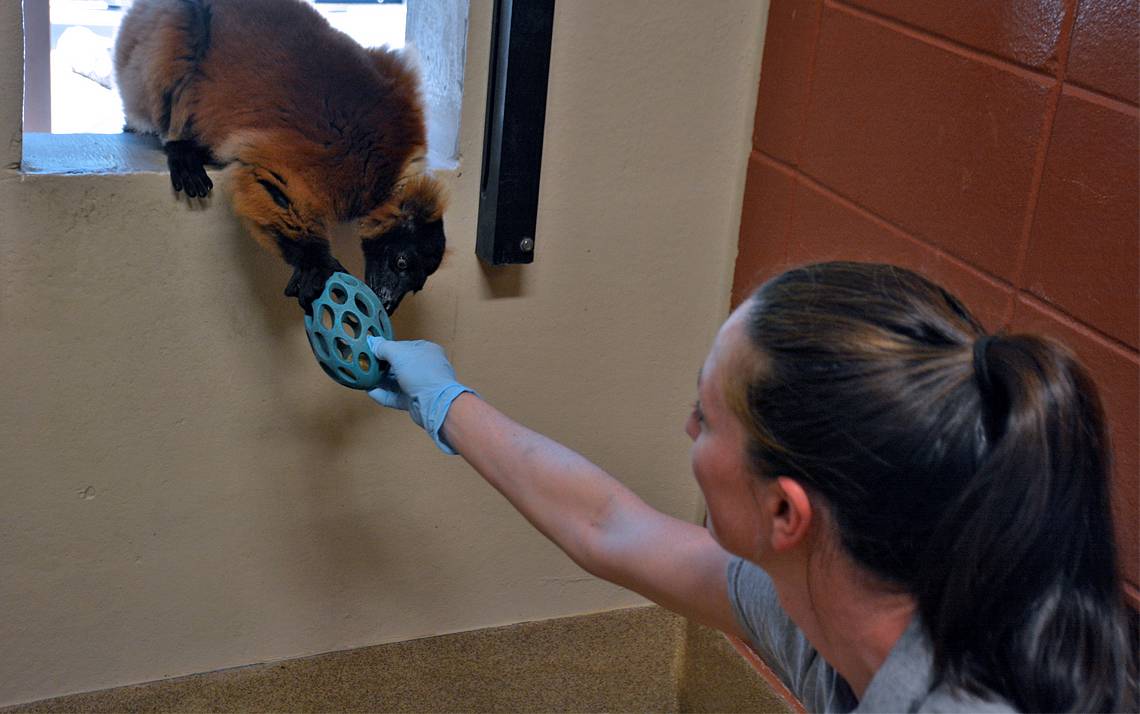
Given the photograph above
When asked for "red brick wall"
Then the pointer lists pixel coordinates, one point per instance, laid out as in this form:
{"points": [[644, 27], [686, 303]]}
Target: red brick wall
{"points": [[991, 145]]}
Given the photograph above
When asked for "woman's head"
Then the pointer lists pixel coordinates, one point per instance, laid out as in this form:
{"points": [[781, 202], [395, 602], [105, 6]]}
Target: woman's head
{"points": [[862, 388], [970, 471], [747, 516]]}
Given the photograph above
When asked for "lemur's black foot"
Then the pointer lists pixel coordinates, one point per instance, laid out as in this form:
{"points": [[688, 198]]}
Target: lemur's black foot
{"points": [[187, 161], [308, 282]]}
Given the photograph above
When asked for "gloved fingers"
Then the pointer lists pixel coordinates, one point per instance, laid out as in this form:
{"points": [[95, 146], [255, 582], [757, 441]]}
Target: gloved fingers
{"points": [[385, 349], [392, 350], [378, 345], [412, 356], [389, 397]]}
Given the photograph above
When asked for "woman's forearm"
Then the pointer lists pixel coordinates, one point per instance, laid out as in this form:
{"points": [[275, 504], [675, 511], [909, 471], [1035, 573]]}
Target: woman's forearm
{"points": [[567, 498], [596, 520]]}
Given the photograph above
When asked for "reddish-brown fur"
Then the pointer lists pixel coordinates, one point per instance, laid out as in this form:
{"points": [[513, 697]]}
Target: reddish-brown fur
{"points": [[303, 115]]}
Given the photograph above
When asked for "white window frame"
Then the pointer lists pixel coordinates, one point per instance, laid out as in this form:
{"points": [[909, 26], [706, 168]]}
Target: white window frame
{"points": [[37, 66]]}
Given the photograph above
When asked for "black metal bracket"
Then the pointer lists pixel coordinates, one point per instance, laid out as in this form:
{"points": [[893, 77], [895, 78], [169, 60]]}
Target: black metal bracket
{"points": [[512, 141]]}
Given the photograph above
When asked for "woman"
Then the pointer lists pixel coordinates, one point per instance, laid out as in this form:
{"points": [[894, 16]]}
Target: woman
{"points": [[904, 513]]}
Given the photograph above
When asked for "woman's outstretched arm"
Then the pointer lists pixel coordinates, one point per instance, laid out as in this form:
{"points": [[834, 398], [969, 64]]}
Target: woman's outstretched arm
{"points": [[602, 525]]}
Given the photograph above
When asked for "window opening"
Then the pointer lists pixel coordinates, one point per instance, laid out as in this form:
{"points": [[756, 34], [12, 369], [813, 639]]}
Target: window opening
{"points": [[70, 85]]}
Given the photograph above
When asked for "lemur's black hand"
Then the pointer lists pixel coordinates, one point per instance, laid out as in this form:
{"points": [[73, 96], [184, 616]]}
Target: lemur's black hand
{"points": [[308, 282], [186, 161]]}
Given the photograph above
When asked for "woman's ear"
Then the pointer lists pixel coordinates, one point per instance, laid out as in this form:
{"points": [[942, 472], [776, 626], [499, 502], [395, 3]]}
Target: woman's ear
{"points": [[791, 513]]}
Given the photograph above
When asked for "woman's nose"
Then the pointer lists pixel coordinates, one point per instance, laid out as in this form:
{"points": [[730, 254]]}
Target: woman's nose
{"points": [[691, 427]]}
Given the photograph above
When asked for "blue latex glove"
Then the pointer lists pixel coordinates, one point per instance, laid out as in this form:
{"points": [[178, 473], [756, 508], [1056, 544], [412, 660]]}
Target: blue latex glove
{"points": [[421, 382]]}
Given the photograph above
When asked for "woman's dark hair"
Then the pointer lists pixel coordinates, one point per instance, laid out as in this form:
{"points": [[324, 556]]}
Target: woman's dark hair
{"points": [[969, 469]]}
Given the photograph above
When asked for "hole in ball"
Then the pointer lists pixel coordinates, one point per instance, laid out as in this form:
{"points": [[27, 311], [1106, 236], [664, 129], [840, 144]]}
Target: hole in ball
{"points": [[347, 375], [321, 345], [326, 317], [339, 295], [364, 361], [373, 331], [363, 307], [351, 324], [343, 349]]}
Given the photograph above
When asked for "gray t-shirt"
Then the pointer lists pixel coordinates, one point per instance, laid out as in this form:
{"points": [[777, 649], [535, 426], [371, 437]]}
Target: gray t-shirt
{"points": [[902, 683]]}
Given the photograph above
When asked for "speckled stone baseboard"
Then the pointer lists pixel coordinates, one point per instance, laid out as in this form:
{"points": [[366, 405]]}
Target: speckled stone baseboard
{"points": [[640, 659], [715, 678]]}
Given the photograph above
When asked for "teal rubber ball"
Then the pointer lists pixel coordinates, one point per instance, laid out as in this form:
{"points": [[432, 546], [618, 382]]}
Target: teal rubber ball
{"points": [[343, 318]]}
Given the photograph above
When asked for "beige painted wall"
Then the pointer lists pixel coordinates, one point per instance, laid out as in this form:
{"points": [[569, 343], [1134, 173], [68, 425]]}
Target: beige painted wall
{"points": [[183, 490]]}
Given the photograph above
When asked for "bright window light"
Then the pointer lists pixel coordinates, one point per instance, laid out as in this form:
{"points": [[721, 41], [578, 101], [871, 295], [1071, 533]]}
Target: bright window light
{"points": [[83, 95]]}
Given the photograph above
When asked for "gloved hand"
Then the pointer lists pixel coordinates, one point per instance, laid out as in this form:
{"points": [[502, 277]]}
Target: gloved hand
{"points": [[421, 382]]}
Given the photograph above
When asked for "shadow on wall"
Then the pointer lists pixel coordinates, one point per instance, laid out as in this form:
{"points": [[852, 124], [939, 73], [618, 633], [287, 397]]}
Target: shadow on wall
{"points": [[504, 281]]}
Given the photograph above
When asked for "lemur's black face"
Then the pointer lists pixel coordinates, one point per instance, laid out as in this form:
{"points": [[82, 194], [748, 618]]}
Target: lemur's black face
{"points": [[401, 260]]}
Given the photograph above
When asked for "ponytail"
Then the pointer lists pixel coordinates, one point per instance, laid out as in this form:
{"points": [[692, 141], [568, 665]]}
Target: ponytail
{"points": [[1031, 608], [968, 469]]}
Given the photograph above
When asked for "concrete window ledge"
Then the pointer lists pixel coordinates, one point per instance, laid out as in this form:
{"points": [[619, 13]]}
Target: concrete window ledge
{"points": [[91, 154], [96, 154]]}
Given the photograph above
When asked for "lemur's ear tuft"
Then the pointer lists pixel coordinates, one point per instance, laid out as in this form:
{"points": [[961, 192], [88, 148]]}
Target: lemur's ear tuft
{"points": [[422, 198], [419, 199]]}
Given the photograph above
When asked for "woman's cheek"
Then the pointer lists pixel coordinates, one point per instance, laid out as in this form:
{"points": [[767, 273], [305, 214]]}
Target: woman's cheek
{"points": [[699, 466]]}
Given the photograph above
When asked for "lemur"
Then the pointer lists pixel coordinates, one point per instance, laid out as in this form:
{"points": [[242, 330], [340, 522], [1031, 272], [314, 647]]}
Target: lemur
{"points": [[315, 129]]}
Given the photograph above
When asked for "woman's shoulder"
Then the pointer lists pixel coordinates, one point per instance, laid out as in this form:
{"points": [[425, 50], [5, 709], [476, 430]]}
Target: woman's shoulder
{"points": [[903, 682]]}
